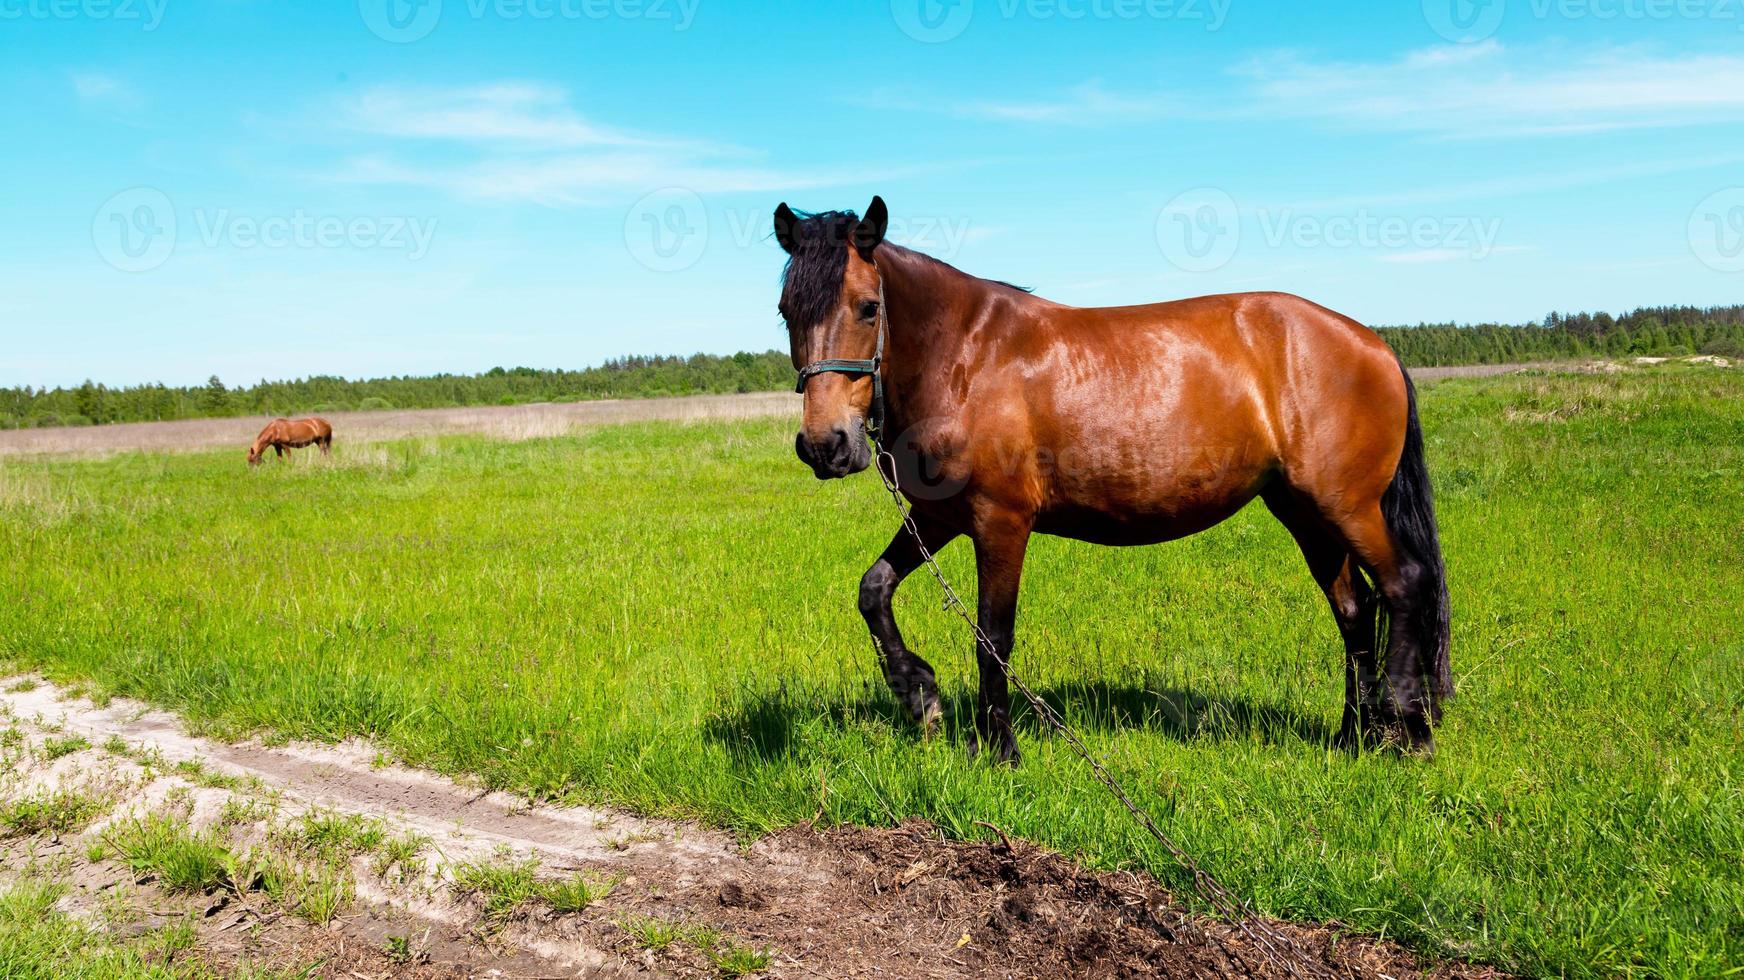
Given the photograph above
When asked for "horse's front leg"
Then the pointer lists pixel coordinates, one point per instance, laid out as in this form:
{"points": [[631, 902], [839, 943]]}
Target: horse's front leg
{"points": [[910, 678], [999, 551]]}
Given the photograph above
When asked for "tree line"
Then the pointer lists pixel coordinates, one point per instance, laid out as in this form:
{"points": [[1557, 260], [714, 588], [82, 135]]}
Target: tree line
{"points": [[1659, 330], [1653, 330]]}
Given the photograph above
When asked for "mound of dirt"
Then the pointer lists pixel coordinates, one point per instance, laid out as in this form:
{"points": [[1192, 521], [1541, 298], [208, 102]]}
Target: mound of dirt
{"points": [[669, 899], [1018, 910]]}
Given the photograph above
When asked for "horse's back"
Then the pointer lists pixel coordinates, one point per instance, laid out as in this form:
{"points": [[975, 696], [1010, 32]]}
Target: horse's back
{"points": [[1288, 352], [1173, 415]]}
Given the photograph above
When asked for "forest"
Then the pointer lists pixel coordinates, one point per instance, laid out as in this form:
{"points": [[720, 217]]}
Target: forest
{"points": [[1661, 330]]}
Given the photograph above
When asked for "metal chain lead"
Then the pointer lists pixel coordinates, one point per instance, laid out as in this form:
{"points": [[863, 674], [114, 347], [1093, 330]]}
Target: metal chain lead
{"points": [[1275, 945]]}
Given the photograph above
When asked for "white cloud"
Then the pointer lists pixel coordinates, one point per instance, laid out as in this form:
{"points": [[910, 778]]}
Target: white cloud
{"points": [[1463, 92], [1427, 255], [1517, 184], [575, 179], [94, 88], [1086, 104], [515, 114], [529, 143], [1491, 91]]}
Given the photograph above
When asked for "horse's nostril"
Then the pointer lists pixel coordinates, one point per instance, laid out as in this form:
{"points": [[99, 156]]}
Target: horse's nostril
{"points": [[802, 448]]}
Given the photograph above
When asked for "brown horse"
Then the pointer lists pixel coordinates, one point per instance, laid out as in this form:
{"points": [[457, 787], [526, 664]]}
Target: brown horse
{"points": [[1006, 414], [283, 434]]}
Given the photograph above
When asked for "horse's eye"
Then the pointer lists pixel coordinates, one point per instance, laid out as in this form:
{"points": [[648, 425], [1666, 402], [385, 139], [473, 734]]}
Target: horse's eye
{"points": [[869, 309]]}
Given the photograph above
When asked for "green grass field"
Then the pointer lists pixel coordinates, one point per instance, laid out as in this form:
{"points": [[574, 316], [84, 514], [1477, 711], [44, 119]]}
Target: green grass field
{"points": [[663, 617]]}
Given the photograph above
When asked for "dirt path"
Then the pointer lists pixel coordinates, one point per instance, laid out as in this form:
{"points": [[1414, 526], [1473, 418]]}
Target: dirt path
{"points": [[504, 422], [688, 901]]}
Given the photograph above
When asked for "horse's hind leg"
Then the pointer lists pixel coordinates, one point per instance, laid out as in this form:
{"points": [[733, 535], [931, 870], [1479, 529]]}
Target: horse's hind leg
{"points": [[327, 445], [1353, 604], [1400, 579], [910, 678]]}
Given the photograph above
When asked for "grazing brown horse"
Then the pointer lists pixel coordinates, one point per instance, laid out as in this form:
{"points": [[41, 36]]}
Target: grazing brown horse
{"points": [[283, 434], [1006, 415]]}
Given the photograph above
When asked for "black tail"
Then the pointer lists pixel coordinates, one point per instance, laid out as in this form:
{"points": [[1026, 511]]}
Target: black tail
{"points": [[1409, 508]]}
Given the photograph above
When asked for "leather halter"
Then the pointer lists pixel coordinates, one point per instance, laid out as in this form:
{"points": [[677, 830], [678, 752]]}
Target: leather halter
{"points": [[872, 366]]}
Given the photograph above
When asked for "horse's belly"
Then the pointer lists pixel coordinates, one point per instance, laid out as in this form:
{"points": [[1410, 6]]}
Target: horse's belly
{"points": [[1133, 528], [1169, 496]]}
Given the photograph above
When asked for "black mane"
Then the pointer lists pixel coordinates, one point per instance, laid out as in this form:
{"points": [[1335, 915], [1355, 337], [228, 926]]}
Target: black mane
{"points": [[812, 281]]}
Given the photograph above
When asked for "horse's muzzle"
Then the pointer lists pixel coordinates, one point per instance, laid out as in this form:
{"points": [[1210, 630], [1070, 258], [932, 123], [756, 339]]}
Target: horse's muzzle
{"points": [[839, 453]]}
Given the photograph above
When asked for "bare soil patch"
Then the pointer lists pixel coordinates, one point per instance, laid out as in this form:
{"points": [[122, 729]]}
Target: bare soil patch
{"points": [[688, 901]]}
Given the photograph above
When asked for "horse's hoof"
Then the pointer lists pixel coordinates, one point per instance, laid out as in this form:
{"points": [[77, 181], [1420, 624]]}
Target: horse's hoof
{"points": [[1004, 753], [930, 715], [1416, 735], [1368, 738], [1404, 737], [923, 707]]}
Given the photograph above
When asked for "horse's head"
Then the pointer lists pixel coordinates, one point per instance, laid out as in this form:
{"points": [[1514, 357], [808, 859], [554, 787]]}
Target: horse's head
{"points": [[832, 302], [254, 455]]}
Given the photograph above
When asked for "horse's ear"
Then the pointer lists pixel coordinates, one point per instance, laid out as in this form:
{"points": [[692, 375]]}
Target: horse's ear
{"points": [[870, 231], [785, 224]]}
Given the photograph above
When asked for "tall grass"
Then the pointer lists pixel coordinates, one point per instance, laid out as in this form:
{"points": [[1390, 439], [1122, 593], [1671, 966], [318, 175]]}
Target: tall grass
{"points": [[662, 617]]}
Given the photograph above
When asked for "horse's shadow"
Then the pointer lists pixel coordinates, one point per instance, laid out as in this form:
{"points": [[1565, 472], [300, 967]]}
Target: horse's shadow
{"points": [[765, 726]]}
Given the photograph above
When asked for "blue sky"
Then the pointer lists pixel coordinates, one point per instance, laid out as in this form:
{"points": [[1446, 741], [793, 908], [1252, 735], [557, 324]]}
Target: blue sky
{"points": [[362, 187]]}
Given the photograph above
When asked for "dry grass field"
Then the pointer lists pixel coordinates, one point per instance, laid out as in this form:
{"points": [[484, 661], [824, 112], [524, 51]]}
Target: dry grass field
{"points": [[510, 422]]}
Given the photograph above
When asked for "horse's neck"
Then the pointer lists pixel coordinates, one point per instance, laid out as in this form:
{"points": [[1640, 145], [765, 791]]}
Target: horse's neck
{"points": [[928, 304], [928, 301]]}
